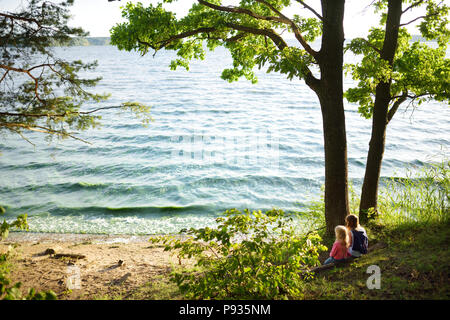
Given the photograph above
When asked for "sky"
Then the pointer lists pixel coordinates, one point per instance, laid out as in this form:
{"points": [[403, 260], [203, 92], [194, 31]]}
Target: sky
{"points": [[98, 16]]}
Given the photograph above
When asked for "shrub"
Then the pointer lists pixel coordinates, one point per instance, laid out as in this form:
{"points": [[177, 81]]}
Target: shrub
{"points": [[248, 255], [20, 223], [8, 290]]}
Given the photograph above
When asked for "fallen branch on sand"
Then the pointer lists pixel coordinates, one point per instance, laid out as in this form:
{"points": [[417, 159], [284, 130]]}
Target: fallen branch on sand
{"points": [[68, 255], [53, 254]]}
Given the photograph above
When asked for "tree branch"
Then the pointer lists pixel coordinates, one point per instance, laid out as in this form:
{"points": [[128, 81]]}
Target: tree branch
{"points": [[415, 4], [29, 20], [22, 136], [241, 11], [57, 115], [310, 9], [276, 38], [271, 7], [231, 39], [396, 105], [185, 35], [420, 17], [294, 27], [280, 18], [371, 45], [28, 72], [312, 81], [4, 76], [41, 129], [270, 33], [14, 17]]}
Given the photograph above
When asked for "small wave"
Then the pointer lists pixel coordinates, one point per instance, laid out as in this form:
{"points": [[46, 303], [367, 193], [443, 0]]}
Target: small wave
{"points": [[132, 211], [252, 180], [28, 166], [90, 185], [57, 187], [357, 162]]}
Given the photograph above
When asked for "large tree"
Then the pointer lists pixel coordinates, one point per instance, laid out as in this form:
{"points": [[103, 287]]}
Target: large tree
{"points": [[395, 71], [253, 32], [39, 90]]}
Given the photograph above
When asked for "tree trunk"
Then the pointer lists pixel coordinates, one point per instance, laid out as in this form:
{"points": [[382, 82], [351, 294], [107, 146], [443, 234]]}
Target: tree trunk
{"points": [[336, 171], [369, 193], [330, 93]]}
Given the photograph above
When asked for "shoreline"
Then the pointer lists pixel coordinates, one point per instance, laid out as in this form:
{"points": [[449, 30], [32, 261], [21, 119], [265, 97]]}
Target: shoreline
{"points": [[109, 266], [26, 236]]}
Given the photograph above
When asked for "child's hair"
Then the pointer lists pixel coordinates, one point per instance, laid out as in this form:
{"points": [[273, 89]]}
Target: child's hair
{"points": [[351, 221], [341, 235]]}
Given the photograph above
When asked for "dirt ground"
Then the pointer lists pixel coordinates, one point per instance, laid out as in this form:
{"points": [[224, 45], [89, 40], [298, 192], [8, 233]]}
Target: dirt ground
{"points": [[107, 267]]}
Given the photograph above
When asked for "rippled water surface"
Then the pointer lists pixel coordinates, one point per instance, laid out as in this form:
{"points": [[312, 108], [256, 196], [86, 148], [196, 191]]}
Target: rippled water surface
{"points": [[212, 146]]}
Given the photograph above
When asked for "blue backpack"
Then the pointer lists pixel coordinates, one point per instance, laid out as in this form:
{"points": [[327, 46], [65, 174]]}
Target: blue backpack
{"points": [[360, 241]]}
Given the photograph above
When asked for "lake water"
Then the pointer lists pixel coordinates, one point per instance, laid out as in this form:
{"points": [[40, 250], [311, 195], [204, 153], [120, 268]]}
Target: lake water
{"points": [[212, 146]]}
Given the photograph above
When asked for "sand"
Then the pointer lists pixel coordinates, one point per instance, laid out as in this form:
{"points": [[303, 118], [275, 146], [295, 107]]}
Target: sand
{"points": [[112, 266]]}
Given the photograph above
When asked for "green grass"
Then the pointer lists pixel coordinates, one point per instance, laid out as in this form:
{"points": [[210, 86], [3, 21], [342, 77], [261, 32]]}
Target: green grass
{"points": [[414, 225], [158, 289], [414, 265]]}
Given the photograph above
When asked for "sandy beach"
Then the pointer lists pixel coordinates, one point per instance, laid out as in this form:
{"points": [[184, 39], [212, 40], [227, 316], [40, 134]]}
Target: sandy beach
{"points": [[91, 266]]}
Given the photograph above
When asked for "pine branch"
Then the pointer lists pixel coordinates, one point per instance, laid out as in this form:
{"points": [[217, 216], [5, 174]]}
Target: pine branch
{"points": [[28, 72], [56, 115], [41, 129]]}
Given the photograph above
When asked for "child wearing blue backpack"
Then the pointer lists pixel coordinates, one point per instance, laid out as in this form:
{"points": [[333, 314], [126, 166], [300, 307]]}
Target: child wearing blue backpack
{"points": [[357, 236]]}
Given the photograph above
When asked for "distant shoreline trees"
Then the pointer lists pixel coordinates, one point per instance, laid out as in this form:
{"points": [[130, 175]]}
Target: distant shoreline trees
{"points": [[84, 42]]}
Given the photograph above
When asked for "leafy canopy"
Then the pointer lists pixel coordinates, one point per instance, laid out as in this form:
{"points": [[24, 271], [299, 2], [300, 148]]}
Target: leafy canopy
{"points": [[420, 71], [252, 32]]}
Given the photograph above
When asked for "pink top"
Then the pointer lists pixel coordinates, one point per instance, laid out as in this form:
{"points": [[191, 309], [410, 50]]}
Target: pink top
{"points": [[339, 251]]}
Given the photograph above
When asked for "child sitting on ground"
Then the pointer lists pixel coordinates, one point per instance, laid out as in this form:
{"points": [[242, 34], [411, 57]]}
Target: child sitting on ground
{"points": [[339, 252], [357, 236]]}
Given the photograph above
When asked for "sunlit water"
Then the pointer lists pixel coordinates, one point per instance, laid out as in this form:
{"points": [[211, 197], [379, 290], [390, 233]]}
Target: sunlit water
{"points": [[212, 146]]}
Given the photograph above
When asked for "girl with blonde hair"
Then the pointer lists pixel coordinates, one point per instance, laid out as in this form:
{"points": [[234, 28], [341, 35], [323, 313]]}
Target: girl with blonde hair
{"points": [[339, 252]]}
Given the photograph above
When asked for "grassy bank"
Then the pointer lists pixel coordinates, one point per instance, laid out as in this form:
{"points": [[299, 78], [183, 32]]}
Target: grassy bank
{"points": [[411, 237], [414, 260]]}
